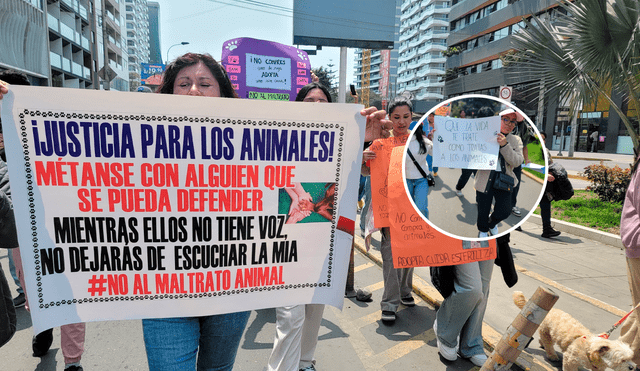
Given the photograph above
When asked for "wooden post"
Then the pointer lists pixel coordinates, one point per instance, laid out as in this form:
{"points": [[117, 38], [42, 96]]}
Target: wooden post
{"points": [[521, 330]]}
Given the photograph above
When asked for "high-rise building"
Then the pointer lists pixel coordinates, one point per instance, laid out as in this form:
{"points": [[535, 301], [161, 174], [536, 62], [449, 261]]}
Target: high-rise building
{"points": [[137, 14], [155, 54], [424, 28], [481, 35], [64, 43], [28, 25]]}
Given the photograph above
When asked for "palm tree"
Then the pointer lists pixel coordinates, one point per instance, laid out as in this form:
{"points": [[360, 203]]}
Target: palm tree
{"points": [[593, 51]]}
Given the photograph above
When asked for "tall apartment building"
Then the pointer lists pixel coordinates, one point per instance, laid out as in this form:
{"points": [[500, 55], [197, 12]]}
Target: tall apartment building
{"points": [[424, 28], [25, 21], [155, 54], [64, 43], [481, 31], [137, 14]]}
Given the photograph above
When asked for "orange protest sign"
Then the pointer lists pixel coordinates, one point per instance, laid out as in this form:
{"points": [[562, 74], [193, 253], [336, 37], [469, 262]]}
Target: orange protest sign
{"points": [[413, 241], [379, 177], [443, 110]]}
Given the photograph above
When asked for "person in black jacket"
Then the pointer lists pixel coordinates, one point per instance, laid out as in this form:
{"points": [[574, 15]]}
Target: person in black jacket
{"points": [[545, 201]]}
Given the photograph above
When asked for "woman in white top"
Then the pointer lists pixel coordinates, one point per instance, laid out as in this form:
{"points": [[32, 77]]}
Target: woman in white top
{"points": [[420, 147]]}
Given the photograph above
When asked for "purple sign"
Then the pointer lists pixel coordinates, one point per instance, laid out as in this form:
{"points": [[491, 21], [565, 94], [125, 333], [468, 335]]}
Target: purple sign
{"points": [[260, 69]]}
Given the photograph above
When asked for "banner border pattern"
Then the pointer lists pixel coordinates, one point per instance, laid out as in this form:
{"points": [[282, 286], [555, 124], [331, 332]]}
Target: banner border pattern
{"points": [[160, 118]]}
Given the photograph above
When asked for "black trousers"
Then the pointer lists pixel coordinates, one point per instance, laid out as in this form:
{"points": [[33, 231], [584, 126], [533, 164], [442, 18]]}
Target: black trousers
{"points": [[501, 209]]}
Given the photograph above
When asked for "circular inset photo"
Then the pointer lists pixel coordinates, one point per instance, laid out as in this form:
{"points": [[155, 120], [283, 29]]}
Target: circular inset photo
{"points": [[474, 167]]}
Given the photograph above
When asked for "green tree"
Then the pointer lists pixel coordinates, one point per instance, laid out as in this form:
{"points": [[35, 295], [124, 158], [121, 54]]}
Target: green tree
{"points": [[591, 52], [325, 78]]}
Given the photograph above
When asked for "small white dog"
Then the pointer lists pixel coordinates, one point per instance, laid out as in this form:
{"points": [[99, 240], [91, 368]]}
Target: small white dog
{"points": [[579, 346]]}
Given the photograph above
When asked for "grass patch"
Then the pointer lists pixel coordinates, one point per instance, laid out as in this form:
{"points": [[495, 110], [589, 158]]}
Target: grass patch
{"points": [[586, 209]]}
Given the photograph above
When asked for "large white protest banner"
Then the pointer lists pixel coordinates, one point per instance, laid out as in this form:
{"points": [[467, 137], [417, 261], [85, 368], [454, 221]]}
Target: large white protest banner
{"points": [[147, 205], [466, 143]]}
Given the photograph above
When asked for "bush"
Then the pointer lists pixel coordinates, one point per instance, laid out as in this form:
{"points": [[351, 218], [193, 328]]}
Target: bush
{"points": [[609, 183]]}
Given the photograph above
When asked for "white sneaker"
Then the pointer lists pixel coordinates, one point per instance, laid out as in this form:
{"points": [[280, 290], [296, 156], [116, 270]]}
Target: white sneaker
{"points": [[478, 359], [450, 354], [515, 211], [483, 234], [494, 231], [459, 193]]}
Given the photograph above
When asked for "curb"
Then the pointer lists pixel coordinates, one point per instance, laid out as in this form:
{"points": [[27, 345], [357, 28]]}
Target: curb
{"points": [[580, 231], [429, 294]]}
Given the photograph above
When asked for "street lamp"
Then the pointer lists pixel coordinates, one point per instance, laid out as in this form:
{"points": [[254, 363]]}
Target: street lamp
{"points": [[182, 43]]}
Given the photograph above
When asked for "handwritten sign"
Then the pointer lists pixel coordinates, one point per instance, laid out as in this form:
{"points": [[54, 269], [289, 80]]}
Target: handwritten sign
{"points": [[413, 241], [466, 143], [147, 205], [265, 70], [380, 177]]}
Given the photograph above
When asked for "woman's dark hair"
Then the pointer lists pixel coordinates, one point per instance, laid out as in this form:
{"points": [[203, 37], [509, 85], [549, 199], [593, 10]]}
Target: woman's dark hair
{"points": [[397, 102], [420, 135], [307, 88], [191, 59], [14, 77]]}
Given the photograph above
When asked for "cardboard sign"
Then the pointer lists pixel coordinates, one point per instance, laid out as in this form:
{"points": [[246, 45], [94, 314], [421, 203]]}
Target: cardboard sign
{"points": [[265, 70], [380, 177], [413, 241], [147, 205], [466, 143]]}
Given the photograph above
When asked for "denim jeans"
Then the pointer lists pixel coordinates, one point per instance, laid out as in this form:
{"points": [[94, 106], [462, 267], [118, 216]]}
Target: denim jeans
{"points": [[462, 312], [419, 190], [367, 203], [430, 163], [173, 343], [14, 275]]}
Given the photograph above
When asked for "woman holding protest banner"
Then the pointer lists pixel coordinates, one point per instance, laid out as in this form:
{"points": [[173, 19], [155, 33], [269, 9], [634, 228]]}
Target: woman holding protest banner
{"points": [[173, 343], [488, 182], [297, 326], [398, 283]]}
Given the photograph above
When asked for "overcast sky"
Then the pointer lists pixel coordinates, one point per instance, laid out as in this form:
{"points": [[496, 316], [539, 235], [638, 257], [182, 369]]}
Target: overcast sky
{"points": [[207, 24]]}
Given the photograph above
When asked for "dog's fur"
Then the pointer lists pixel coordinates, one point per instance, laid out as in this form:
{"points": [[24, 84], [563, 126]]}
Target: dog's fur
{"points": [[579, 346]]}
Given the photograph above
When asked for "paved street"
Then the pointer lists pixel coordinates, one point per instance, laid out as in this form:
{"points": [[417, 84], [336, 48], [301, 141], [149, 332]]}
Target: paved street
{"points": [[589, 277]]}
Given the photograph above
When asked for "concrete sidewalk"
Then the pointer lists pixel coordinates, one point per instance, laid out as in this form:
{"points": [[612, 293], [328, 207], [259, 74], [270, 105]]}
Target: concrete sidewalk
{"points": [[588, 275]]}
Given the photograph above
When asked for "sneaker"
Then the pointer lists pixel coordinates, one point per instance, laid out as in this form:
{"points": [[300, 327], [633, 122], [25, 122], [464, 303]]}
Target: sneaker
{"points": [[459, 193], [74, 368], [515, 211], [494, 231], [42, 342], [388, 316], [550, 232], [447, 353], [478, 359], [483, 234], [350, 294], [308, 368], [408, 302], [19, 300]]}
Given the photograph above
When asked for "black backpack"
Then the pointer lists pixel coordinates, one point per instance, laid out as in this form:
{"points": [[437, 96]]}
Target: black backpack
{"points": [[560, 188]]}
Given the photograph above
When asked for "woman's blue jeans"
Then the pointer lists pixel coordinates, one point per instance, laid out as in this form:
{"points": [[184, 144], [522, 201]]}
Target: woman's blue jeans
{"points": [[463, 311], [419, 190], [174, 343]]}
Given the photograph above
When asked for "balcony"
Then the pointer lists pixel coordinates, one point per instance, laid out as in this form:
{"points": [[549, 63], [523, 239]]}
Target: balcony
{"points": [[54, 23], [56, 60]]}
